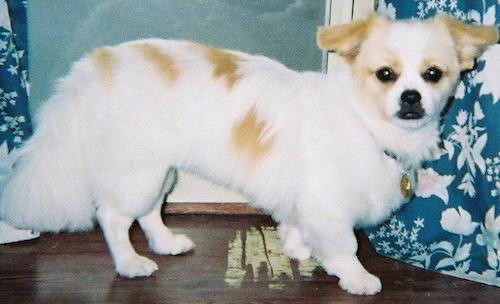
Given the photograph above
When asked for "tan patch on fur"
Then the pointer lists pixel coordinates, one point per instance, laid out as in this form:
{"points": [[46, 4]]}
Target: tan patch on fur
{"points": [[371, 90], [441, 63], [247, 136], [105, 63], [163, 62], [436, 62], [225, 64]]}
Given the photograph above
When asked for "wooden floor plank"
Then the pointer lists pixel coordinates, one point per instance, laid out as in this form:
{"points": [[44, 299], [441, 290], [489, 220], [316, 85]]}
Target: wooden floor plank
{"points": [[237, 260], [211, 208]]}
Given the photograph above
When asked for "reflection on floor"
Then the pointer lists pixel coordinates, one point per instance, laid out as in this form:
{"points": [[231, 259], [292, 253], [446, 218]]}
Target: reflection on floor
{"points": [[255, 255], [237, 259]]}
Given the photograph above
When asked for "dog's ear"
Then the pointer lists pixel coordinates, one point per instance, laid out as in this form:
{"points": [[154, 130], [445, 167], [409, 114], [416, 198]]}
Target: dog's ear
{"points": [[470, 40], [346, 39]]}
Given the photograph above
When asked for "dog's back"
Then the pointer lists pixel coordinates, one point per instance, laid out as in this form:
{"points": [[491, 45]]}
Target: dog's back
{"points": [[125, 114]]}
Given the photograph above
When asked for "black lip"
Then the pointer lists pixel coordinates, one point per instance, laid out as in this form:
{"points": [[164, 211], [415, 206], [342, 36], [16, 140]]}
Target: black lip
{"points": [[411, 114]]}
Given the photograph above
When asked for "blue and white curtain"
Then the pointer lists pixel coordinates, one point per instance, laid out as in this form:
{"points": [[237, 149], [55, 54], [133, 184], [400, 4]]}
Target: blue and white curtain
{"points": [[452, 225], [14, 115], [15, 125]]}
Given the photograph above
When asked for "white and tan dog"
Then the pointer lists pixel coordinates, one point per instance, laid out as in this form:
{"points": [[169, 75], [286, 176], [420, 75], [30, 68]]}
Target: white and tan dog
{"points": [[321, 153]]}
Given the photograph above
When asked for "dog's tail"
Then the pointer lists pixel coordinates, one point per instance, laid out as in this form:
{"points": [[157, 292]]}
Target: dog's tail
{"points": [[46, 190]]}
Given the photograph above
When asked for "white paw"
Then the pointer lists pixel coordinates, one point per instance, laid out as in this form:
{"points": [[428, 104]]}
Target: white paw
{"points": [[136, 266], [177, 244], [363, 283], [300, 253]]}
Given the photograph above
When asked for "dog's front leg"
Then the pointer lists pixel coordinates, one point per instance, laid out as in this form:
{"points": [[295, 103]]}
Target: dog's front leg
{"points": [[161, 240], [293, 243], [115, 227], [335, 246]]}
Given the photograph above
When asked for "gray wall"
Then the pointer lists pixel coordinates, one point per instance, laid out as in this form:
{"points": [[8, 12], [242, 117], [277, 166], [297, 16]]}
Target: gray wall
{"points": [[61, 31]]}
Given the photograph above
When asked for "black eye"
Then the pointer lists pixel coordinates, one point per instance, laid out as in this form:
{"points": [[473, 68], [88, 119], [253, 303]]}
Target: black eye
{"points": [[386, 74], [432, 74]]}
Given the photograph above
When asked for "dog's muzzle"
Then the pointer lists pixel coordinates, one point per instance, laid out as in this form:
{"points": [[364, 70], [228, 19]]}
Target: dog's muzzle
{"points": [[411, 105]]}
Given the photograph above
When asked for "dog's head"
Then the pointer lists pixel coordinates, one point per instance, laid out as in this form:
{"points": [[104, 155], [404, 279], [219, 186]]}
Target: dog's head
{"points": [[406, 70]]}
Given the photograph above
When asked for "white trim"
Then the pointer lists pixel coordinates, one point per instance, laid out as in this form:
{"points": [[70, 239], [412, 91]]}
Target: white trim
{"points": [[9, 234], [362, 8], [191, 188], [342, 12]]}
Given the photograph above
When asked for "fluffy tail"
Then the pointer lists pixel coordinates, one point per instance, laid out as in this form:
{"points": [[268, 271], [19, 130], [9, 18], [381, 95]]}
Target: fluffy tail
{"points": [[47, 190]]}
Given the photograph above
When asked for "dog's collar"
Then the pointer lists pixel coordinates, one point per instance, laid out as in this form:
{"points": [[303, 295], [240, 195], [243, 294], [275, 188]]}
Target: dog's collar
{"points": [[392, 155], [408, 182]]}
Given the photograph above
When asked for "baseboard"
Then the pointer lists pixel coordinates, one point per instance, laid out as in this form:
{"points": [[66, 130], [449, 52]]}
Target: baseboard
{"points": [[212, 208]]}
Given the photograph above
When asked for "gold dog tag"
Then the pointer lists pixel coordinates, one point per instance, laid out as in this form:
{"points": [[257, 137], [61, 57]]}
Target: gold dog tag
{"points": [[406, 185]]}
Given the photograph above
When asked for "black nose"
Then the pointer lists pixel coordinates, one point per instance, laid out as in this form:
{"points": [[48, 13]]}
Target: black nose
{"points": [[411, 105], [411, 97]]}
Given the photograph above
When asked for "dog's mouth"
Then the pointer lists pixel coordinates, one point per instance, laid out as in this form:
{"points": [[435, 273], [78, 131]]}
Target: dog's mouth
{"points": [[411, 112]]}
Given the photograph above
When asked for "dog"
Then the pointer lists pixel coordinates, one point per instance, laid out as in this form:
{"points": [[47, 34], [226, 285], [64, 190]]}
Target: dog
{"points": [[323, 154]]}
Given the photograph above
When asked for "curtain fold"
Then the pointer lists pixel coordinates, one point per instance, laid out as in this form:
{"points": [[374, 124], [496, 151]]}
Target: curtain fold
{"points": [[452, 225], [15, 123]]}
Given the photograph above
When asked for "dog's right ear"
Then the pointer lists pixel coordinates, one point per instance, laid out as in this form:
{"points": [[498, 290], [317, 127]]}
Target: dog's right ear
{"points": [[346, 39]]}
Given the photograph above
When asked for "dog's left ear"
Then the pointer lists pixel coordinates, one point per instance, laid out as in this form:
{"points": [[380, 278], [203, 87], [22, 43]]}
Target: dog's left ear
{"points": [[346, 39], [471, 40]]}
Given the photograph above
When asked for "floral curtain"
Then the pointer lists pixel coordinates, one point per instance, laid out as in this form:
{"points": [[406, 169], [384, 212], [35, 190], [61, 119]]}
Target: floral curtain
{"points": [[452, 225], [15, 125], [14, 115]]}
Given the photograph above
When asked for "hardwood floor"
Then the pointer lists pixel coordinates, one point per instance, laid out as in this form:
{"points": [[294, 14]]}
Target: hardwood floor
{"points": [[237, 260]]}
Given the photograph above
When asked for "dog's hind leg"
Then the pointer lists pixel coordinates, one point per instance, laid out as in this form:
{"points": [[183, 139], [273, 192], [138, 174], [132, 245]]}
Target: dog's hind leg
{"points": [[115, 227], [161, 240]]}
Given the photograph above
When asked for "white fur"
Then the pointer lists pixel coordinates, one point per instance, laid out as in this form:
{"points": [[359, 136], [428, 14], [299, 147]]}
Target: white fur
{"points": [[101, 151]]}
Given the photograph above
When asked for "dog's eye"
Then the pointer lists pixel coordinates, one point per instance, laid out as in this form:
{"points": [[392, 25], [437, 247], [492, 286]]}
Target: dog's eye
{"points": [[432, 74], [386, 74]]}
